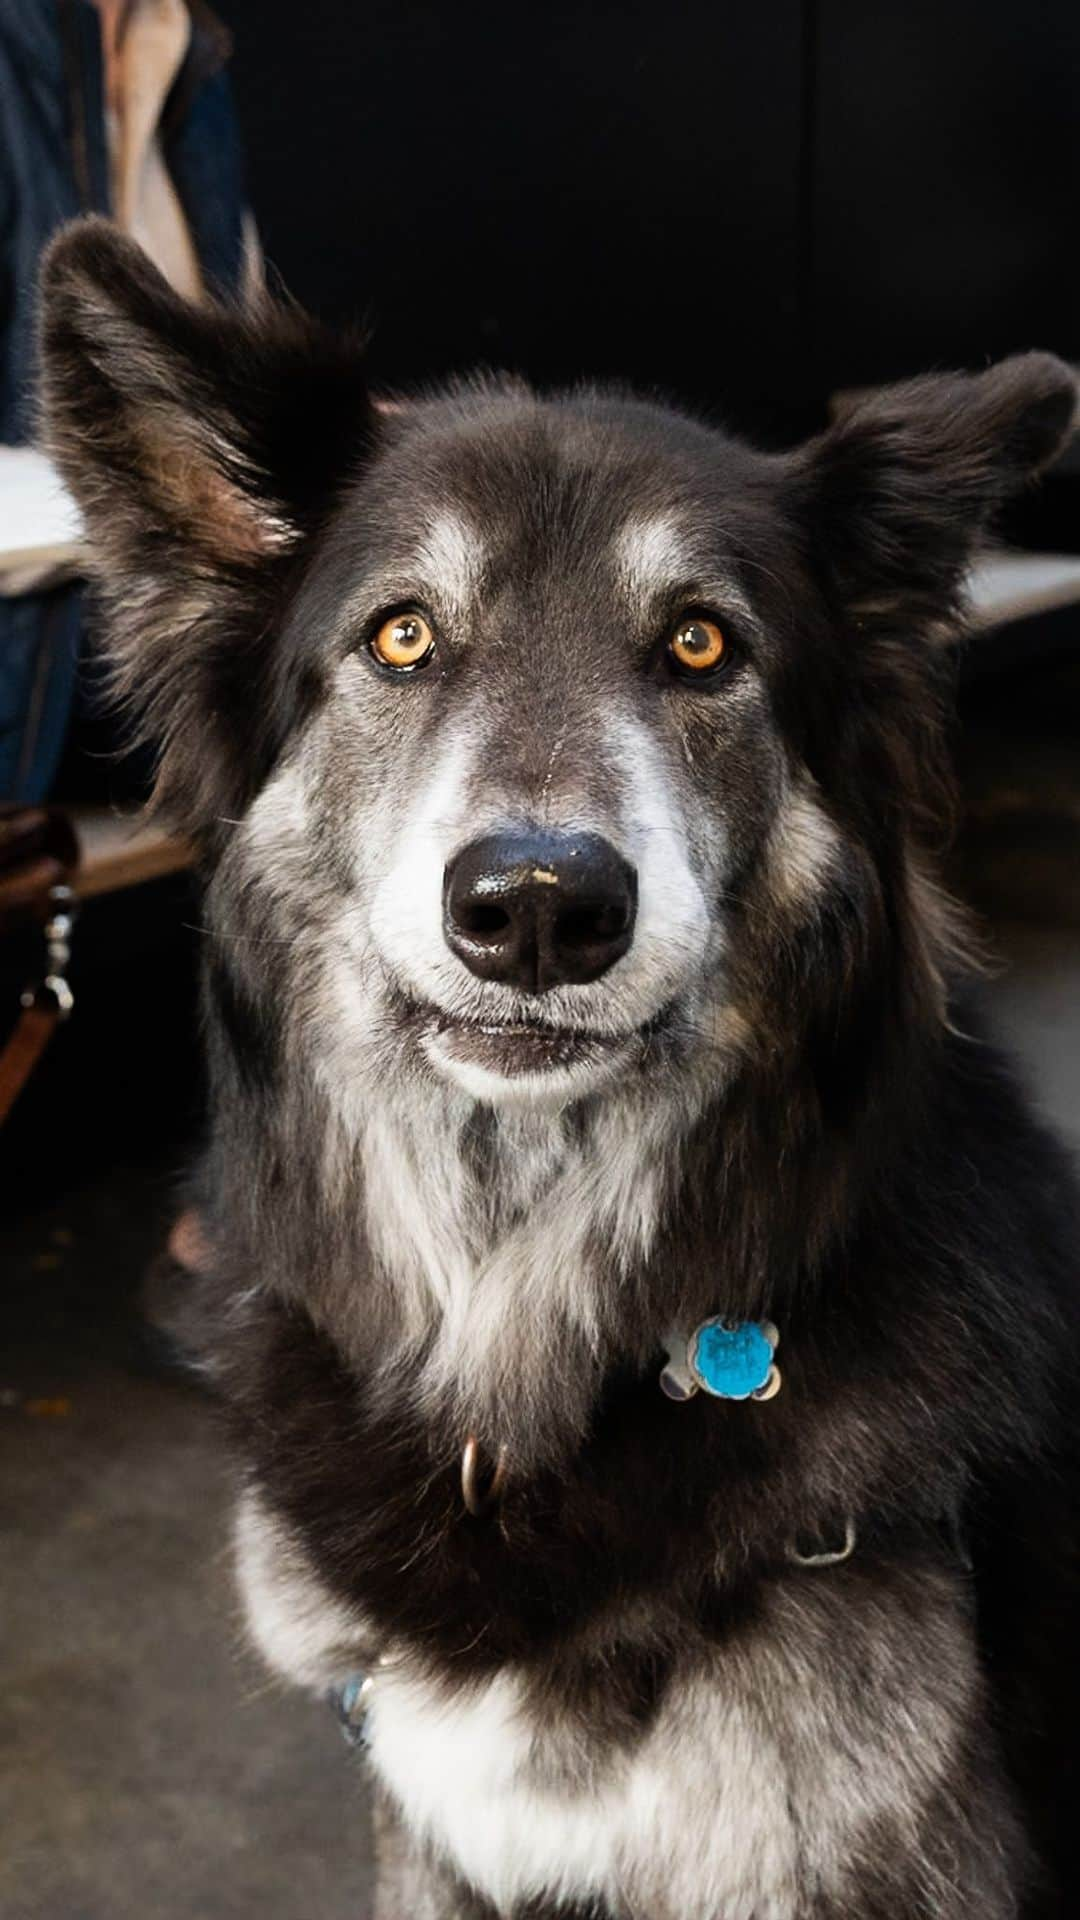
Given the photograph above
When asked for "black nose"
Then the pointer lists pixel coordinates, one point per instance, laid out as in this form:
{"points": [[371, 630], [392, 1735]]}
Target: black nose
{"points": [[539, 910]]}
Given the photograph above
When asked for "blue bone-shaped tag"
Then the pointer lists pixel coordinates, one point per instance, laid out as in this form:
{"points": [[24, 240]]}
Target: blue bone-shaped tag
{"points": [[731, 1362]]}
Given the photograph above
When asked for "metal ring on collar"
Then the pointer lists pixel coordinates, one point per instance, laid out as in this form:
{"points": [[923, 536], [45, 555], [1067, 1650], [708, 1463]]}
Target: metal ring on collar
{"points": [[480, 1499]]}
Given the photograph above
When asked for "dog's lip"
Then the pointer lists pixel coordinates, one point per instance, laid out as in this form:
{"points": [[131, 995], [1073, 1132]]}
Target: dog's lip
{"points": [[523, 1030], [523, 1045], [516, 1047]]}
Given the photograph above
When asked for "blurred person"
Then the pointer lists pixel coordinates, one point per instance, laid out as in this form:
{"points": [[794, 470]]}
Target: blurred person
{"points": [[120, 107]]}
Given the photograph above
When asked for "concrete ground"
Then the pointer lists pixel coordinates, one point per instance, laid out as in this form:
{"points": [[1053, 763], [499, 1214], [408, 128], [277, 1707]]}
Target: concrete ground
{"points": [[147, 1771]]}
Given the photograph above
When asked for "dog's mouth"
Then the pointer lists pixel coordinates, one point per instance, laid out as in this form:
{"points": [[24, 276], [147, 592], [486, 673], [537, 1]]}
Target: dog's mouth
{"points": [[514, 1048], [518, 1049]]}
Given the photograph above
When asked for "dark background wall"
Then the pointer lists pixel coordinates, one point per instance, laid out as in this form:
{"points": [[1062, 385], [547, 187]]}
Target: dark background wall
{"points": [[946, 200], [745, 205], [609, 189]]}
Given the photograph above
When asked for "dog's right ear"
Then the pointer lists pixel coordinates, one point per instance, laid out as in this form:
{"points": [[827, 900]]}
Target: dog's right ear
{"points": [[898, 493], [204, 446]]}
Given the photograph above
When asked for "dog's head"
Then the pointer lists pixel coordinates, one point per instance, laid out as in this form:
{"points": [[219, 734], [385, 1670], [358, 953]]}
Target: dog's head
{"points": [[568, 711]]}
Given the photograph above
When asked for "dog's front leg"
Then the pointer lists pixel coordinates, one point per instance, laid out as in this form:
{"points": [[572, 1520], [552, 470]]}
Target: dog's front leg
{"points": [[410, 1886]]}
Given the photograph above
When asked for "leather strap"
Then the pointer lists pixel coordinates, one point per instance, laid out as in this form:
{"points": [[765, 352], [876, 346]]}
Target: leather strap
{"points": [[33, 1030]]}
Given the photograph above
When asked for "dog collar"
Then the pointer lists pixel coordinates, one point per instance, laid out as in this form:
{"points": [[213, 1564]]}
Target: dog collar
{"points": [[732, 1360]]}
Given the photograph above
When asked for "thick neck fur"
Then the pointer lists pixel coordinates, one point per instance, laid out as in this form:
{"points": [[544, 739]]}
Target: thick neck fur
{"points": [[516, 1244]]}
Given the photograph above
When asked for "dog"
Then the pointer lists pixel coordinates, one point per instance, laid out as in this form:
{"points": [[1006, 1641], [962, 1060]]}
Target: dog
{"points": [[645, 1303]]}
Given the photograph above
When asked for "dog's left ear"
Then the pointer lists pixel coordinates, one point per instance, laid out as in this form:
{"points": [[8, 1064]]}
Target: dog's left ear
{"points": [[895, 496], [205, 445]]}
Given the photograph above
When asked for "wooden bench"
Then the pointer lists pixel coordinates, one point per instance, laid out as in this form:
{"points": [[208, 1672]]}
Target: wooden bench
{"points": [[123, 850]]}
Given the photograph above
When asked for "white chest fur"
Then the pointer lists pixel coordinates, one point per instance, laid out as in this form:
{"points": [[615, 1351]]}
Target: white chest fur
{"points": [[693, 1823], [750, 1795]]}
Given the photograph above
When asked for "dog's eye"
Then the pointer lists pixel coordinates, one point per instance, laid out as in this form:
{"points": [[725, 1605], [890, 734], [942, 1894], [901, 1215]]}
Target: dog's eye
{"points": [[404, 642], [697, 646]]}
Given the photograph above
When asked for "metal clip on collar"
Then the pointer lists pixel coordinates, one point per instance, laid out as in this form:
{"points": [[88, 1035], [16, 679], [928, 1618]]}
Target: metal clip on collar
{"points": [[829, 1557], [53, 993]]}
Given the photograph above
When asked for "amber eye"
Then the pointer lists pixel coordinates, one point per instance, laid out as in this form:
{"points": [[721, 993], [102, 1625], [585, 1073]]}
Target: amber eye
{"points": [[405, 642], [697, 645]]}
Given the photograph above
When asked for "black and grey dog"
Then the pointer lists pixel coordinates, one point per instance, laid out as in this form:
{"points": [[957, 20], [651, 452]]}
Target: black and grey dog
{"points": [[647, 1307]]}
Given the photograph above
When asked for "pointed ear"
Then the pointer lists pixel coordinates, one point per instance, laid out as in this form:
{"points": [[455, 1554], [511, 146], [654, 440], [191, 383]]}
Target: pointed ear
{"points": [[204, 446], [896, 495]]}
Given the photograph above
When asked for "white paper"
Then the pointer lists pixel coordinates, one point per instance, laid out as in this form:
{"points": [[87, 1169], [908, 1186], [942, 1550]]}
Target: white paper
{"points": [[40, 525], [1011, 586]]}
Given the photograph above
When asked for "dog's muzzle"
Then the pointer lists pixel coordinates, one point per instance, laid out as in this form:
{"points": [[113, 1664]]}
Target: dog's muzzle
{"points": [[537, 910]]}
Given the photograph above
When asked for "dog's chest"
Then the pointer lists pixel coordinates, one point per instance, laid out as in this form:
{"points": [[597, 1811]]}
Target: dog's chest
{"points": [[750, 1793]]}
